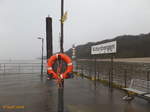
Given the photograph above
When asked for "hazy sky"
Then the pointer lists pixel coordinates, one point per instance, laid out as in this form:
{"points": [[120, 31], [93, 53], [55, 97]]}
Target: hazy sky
{"points": [[22, 21]]}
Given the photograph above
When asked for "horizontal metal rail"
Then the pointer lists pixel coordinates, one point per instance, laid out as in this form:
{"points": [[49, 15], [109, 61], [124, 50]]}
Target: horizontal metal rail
{"points": [[21, 68]]}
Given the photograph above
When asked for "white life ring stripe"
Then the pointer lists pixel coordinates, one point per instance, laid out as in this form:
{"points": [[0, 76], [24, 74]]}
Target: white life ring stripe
{"points": [[61, 76], [69, 64], [49, 68], [57, 56]]}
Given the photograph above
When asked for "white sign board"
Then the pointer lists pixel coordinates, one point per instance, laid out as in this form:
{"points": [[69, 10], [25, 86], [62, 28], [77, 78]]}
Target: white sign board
{"points": [[110, 47]]}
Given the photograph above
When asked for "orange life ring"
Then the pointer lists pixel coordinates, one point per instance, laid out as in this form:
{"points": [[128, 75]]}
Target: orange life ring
{"points": [[51, 62]]}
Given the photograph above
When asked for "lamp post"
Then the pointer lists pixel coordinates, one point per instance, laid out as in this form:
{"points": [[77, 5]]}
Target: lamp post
{"points": [[62, 27], [42, 55]]}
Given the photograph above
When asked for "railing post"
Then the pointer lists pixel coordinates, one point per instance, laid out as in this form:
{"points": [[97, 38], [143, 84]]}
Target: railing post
{"points": [[148, 76], [148, 79], [125, 78], [90, 68], [109, 80], [32, 68], [95, 70], [19, 68], [4, 68], [111, 71], [82, 71], [76, 70]]}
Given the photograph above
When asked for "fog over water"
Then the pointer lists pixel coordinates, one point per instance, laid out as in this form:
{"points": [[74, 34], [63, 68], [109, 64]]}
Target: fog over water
{"points": [[22, 21]]}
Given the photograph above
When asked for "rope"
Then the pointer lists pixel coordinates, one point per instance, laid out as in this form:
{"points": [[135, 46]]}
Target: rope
{"points": [[59, 68]]}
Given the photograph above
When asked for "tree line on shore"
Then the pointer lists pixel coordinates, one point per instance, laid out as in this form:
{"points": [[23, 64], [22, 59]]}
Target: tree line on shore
{"points": [[128, 46]]}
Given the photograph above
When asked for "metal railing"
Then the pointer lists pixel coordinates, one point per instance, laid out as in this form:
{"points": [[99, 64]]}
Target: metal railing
{"points": [[21, 68], [122, 72]]}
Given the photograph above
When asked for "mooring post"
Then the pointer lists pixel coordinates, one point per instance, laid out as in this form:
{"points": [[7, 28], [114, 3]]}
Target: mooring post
{"points": [[49, 37]]}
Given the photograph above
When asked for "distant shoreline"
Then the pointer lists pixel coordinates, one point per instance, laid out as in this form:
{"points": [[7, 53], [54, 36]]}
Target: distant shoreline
{"points": [[130, 60]]}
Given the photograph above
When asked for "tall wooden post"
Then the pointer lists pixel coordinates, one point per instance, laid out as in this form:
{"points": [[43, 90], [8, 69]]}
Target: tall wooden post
{"points": [[49, 39]]}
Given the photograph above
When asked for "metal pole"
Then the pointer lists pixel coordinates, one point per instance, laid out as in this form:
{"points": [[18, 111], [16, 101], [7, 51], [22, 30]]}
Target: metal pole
{"points": [[95, 69], [42, 57], [62, 31], [148, 81], [60, 99], [147, 75], [60, 90], [19, 68], [62, 27], [112, 67], [125, 78], [82, 71], [95, 74], [4, 68], [109, 78]]}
